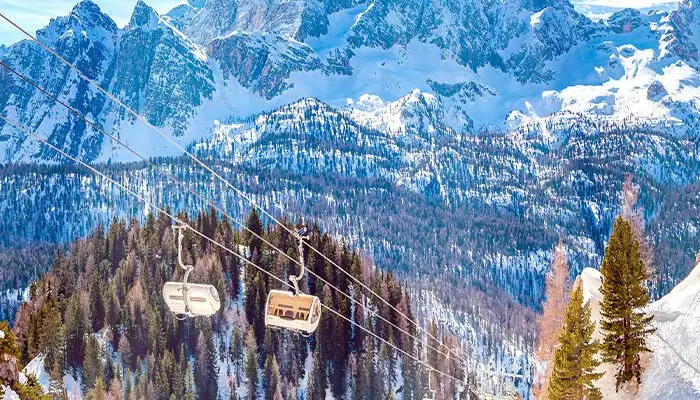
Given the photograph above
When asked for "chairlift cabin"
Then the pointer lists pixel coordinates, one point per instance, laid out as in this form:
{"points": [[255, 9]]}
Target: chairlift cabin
{"points": [[191, 299], [296, 312], [186, 299]]}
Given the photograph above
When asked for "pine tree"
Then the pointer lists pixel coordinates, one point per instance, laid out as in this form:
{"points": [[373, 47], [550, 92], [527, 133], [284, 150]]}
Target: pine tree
{"points": [[271, 383], [98, 392], [56, 388], [93, 369], [236, 350], [624, 296], [575, 359], [317, 383], [75, 328], [97, 308], [206, 370], [251, 365]]}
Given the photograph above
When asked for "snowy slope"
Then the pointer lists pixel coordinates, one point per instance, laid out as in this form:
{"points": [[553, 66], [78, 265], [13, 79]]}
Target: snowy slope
{"points": [[673, 369], [487, 65]]}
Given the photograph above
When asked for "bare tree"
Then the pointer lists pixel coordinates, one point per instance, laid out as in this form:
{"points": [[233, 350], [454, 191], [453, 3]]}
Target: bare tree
{"points": [[550, 322], [634, 215]]}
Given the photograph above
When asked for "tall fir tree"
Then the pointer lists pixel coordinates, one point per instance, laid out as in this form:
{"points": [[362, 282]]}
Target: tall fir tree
{"points": [[93, 368], [206, 370], [271, 383], [251, 365], [576, 357], [625, 294], [317, 383]]}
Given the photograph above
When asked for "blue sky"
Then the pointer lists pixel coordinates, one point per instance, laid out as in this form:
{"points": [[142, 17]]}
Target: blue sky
{"points": [[35, 14]]}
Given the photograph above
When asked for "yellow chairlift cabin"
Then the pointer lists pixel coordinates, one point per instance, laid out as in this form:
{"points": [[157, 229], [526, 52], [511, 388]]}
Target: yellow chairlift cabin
{"points": [[294, 311]]}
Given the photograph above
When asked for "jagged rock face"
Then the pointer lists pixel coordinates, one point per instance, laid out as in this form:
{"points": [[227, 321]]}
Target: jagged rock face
{"points": [[656, 91], [679, 39], [293, 51], [625, 21], [159, 72], [148, 65], [182, 14], [86, 38], [262, 63]]}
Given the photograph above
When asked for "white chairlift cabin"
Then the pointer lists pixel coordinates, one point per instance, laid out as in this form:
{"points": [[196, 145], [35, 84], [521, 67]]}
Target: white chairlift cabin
{"points": [[186, 299], [294, 311]]}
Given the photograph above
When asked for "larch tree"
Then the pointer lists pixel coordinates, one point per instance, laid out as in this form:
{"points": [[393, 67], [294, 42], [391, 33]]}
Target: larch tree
{"points": [[625, 294], [634, 215], [553, 309], [575, 359]]}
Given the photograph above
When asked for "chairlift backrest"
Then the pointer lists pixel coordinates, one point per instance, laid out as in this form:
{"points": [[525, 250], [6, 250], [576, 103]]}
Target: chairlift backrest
{"points": [[196, 300], [300, 312]]}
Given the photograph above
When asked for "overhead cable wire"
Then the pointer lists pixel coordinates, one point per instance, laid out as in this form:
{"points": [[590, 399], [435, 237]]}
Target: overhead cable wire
{"points": [[209, 202], [218, 176], [150, 203]]}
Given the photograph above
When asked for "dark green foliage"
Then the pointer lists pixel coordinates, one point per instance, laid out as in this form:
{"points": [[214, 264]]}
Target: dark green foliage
{"points": [[625, 293], [576, 358], [93, 368], [205, 367], [317, 385], [161, 358], [251, 365], [75, 327]]}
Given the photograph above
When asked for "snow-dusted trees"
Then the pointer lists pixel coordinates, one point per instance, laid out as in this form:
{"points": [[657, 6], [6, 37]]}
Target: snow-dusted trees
{"points": [[206, 369], [146, 353], [251, 365]]}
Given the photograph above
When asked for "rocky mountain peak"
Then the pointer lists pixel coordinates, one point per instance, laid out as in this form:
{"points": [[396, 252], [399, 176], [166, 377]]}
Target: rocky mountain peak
{"points": [[143, 15]]}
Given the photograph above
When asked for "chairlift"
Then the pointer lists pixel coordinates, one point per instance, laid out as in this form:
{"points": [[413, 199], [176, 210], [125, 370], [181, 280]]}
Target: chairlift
{"points": [[186, 299], [294, 311]]}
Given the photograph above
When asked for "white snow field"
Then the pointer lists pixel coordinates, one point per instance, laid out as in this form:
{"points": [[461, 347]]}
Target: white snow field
{"points": [[672, 371]]}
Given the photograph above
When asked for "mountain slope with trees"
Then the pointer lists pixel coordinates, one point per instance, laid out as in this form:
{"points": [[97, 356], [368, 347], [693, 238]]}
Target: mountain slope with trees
{"points": [[116, 336]]}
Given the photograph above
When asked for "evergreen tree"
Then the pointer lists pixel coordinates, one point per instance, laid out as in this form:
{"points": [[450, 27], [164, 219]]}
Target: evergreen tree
{"points": [[575, 360], [317, 382], [97, 308], [75, 328], [624, 296], [236, 350], [56, 388], [98, 392], [271, 383], [206, 370], [251, 365], [93, 369]]}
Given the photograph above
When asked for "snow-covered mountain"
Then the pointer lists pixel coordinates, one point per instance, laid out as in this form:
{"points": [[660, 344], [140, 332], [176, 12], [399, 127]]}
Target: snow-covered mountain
{"points": [[488, 64]]}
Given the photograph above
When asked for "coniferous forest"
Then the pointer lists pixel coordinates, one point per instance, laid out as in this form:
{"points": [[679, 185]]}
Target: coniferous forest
{"points": [[98, 315]]}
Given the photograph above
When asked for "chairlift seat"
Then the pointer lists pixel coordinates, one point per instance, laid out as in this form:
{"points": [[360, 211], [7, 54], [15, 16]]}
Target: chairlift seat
{"points": [[301, 312], [203, 300]]}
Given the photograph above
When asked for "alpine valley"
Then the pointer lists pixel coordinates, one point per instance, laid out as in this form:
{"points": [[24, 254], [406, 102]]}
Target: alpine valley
{"points": [[453, 142]]}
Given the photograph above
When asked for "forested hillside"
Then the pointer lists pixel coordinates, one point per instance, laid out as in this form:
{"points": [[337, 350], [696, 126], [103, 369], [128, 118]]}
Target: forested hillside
{"points": [[98, 316]]}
